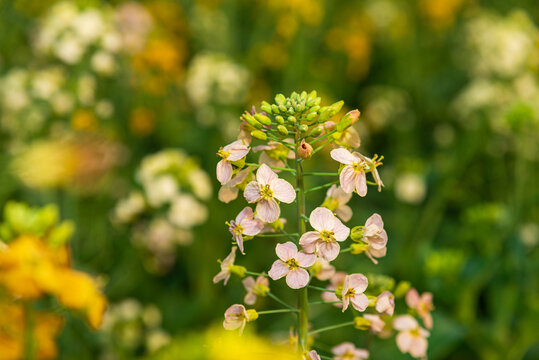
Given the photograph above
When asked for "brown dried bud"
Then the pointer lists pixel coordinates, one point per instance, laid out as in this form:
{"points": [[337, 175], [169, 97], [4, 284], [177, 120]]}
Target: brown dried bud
{"points": [[305, 150]]}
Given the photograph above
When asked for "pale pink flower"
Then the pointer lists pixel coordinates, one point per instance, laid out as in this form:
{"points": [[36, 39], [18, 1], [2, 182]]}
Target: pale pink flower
{"points": [[226, 266], [422, 304], [274, 153], [348, 351], [376, 237], [274, 226], [411, 337], [352, 291], [236, 316], [291, 265], [329, 231], [336, 281], [376, 323], [229, 191], [231, 152], [311, 355], [254, 288], [336, 200], [385, 303], [322, 269], [352, 176], [245, 224], [265, 192]]}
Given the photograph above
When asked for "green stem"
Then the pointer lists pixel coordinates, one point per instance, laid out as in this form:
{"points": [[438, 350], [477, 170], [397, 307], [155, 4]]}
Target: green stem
{"points": [[271, 295], [303, 296], [271, 167], [321, 186], [323, 137], [277, 235], [276, 311], [320, 174], [324, 302], [327, 328], [29, 344], [346, 250], [255, 273], [319, 288]]}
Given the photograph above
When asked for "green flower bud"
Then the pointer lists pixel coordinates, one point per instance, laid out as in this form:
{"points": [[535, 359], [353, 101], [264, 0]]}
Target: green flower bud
{"points": [[282, 130], [303, 128], [357, 233], [292, 119], [280, 99], [402, 289], [300, 107], [311, 116], [291, 110], [279, 119], [252, 315], [324, 114], [335, 108], [260, 135], [303, 95], [314, 108], [313, 94], [266, 107], [317, 100], [294, 95], [263, 119], [317, 131], [348, 119], [275, 109], [252, 121], [238, 270], [361, 323], [283, 108], [358, 248]]}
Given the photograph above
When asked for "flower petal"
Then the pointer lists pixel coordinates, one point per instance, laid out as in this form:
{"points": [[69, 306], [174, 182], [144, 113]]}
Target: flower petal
{"points": [[328, 251], [308, 241], [361, 184], [348, 178], [297, 278], [341, 231], [358, 281], [239, 241], [265, 175], [283, 191], [343, 348], [278, 270], [247, 212], [322, 219], [375, 219], [305, 260], [248, 283], [360, 302], [404, 341], [405, 322], [344, 212], [228, 193], [238, 152], [268, 210], [286, 251], [343, 156], [224, 171], [412, 298], [251, 227], [252, 192], [418, 347]]}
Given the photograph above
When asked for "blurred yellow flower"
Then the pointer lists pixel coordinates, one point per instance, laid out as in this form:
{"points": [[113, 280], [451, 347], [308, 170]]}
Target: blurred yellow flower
{"points": [[142, 121], [84, 120], [440, 13]]}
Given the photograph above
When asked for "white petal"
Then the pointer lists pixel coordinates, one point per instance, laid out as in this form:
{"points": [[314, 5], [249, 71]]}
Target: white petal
{"points": [[283, 191], [322, 219], [305, 260], [343, 156], [361, 184], [348, 178], [341, 231], [252, 192], [268, 210], [286, 251], [297, 278], [224, 171], [278, 270], [265, 175]]}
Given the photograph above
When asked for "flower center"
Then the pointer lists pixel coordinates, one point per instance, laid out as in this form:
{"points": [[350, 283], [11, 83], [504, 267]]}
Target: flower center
{"points": [[331, 203], [292, 263], [350, 293], [415, 332], [223, 154], [266, 192], [327, 236], [359, 166], [235, 228]]}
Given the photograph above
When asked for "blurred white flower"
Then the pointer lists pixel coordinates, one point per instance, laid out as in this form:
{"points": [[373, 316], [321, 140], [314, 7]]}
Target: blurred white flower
{"points": [[104, 109], [127, 209], [187, 212], [200, 183], [88, 25], [103, 63], [69, 49], [410, 188], [86, 89], [62, 102], [161, 190], [156, 339]]}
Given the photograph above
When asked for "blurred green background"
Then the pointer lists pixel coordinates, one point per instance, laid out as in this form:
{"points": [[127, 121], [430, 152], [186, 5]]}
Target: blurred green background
{"points": [[448, 92]]}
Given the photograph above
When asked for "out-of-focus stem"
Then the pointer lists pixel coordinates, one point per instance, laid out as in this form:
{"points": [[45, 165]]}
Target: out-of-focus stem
{"points": [[327, 328], [303, 296], [29, 344]]}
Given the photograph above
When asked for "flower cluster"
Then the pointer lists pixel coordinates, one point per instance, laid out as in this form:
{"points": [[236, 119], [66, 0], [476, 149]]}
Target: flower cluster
{"points": [[294, 129], [169, 203], [35, 263]]}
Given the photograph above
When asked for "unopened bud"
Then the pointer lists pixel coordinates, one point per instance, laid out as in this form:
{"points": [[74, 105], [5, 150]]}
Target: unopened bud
{"points": [[311, 116], [292, 119], [282, 108], [303, 128], [260, 135], [266, 107], [304, 150], [238, 270], [280, 99], [252, 315], [263, 119], [317, 131], [313, 94], [361, 323], [348, 120], [359, 248], [335, 108], [282, 130], [275, 109], [279, 119], [357, 233], [252, 121]]}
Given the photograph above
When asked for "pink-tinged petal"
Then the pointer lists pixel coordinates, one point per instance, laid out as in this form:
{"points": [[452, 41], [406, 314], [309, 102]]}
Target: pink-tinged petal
{"points": [[239, 241], [322, 219], [404, 341], [233, 324], [313, 355], [266, 159], [278, 270], [343, 348], [286, 251], [265, 175], [221, 276], [229, 260], [360, 302], [305, 260], [227, 194], [297, 278], [426, 298], [268, 210], [247, 212], [375, 219], [308, 241], [343, 156], [361, 184], [224, 171], [238, 153], [338, 279], [404, 323], [427, 320], [248, 283], [283, 191], [377, 252], [359, 282], [344, 212], [252, 227], [418, 347], [377, 324], [412, 298], [385, 303], [348, 178], [328, 251], [233, 145], [341, 231], [330, 296], [239, 178], [250, 298], [252, 192], [362, 353], [345, 303]]}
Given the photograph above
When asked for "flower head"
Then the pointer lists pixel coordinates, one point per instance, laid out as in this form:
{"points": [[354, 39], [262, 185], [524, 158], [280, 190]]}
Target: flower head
{"points": [[266, 191], [376, 324], [385, 303], [411, 337], [229, 191], [231, 152], [227, 267], [336, 282], [245, 224], [422, 304], [348, 351], [375, 237], [329, 231], [352, 176], [254, 288], [291, 265], [237, 316], [352, 291], [322, 269], [336, 200]]}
